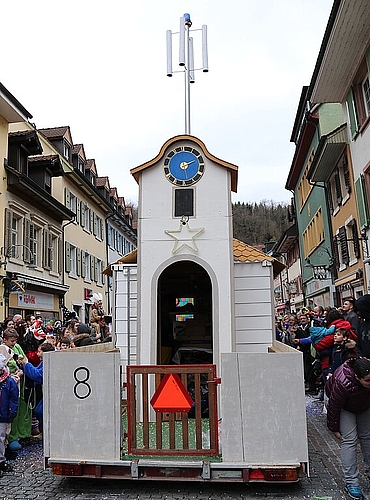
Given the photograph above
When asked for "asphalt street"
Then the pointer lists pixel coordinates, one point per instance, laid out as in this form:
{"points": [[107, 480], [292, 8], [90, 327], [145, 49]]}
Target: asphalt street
{"points": [[30, 481]]}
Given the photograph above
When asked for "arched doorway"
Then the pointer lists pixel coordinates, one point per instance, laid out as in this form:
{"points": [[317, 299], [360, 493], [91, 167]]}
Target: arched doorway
{"points": [[184, 315]]}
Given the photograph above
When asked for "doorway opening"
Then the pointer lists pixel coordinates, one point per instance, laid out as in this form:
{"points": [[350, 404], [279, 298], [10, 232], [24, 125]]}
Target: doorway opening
{"points": [[185, 315]]}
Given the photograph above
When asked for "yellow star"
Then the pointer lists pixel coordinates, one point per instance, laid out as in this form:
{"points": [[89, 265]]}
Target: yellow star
{"points": [[184, 237]]}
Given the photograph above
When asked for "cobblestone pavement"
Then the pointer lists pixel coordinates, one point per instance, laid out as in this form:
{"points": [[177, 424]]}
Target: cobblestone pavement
{"points": [[30, 481]]}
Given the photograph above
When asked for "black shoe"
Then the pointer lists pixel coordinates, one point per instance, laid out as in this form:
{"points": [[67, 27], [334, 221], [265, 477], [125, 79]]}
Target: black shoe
{"points": [[5, 467]]}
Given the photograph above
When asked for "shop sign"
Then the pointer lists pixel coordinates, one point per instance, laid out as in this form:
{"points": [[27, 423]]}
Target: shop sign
{"points": [[36, 300]]}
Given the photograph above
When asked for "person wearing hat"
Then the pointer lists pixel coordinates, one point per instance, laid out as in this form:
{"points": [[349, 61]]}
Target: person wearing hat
{"points": [[83, 336], [9, 394], [97, 320]]}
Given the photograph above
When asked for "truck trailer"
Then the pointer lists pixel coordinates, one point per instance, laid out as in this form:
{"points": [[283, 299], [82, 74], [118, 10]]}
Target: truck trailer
{"points": [[193, 385]]}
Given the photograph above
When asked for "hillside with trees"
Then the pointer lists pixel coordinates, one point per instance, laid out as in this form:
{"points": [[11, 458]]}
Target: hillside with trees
{"points": [[259, 223]]}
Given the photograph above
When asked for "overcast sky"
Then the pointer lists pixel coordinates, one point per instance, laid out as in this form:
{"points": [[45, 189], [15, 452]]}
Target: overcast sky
{"points": [[100, 67]]}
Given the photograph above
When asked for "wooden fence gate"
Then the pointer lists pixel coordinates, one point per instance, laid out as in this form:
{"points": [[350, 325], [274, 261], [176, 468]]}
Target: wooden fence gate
{"points": [[188, 432]]}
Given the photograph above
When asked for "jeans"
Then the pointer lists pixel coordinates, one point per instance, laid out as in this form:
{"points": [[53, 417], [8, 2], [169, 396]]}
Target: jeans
{"points": [[38, 411], [4, 431], [352, 428]]}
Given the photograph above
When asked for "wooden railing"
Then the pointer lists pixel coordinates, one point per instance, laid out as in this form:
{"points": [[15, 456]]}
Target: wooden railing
{"points": [[185, 433]]}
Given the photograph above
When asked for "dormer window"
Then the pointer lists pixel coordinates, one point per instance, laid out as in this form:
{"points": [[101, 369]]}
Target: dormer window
{"points": [[66, 150], [80, 165]]}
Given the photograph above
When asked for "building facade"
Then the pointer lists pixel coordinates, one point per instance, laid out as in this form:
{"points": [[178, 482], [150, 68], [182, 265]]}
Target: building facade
{"points": [[343, 76]]}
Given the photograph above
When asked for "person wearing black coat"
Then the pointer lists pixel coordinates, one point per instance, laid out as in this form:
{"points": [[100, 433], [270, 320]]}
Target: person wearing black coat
{"points": [[348, 417], [362, 306]]}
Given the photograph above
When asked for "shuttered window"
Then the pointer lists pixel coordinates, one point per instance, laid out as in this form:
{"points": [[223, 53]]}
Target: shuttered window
{"points": [[343, 245], [362, 205]]}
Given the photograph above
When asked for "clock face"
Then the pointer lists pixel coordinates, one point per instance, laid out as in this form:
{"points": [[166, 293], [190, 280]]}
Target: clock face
{"points": [[183, 166]]}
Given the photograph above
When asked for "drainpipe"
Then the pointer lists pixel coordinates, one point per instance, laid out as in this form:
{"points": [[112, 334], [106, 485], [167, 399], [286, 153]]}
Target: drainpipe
{"points": [[107, 253], [64, 264]]}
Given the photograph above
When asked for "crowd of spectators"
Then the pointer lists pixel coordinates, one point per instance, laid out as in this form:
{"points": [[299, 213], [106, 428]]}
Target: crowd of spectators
{"points": [[327, 337], [23, 342]]}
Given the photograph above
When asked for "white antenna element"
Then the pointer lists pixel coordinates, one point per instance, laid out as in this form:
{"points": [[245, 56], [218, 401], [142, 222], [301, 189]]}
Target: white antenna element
{"points": [[191, 61], [186, 59], [182, 42], [204, 48], [169, 52]]}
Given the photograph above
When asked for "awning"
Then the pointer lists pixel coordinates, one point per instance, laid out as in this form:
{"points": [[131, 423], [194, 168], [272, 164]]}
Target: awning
{"points": [[52, 286], [328, 153]]}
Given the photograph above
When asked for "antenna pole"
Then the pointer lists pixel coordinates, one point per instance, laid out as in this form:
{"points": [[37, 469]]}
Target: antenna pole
{"points": [[187, 26], [186, 59]]}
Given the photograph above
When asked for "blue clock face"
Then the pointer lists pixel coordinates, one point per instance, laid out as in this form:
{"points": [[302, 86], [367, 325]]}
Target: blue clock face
{"points": [[183, 166]]}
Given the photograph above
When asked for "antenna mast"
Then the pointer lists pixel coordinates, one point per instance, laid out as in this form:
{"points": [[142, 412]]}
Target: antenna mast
{"points": [[186, 59]]}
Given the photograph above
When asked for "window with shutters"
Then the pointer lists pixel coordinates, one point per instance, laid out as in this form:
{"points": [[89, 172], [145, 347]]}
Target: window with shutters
{"points": [[86, 265], [362, 201], [99, 228], [339, 185], [13, 233], [99, 271], [343, 247], [14, 242], [305, 187], [73, 203], [72, 260], [313, 234], [347, 248], [86, 217], [33, 244], [358, 99]]}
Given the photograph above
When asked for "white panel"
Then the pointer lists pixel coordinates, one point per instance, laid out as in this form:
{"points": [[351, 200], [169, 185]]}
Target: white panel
{"points": [[231, 424], [82, 418], [246, 296], [252, 282], [281, 435], [252, 336], [252, 309], [245, 269], [257, 347], [254, 322]]}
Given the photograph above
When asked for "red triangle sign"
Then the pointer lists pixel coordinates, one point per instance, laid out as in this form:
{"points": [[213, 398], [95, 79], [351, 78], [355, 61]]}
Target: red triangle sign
{"points": [[171, 395]]}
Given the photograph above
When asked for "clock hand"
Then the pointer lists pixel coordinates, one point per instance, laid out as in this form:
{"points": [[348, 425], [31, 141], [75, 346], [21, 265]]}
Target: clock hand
{"points": [[184, 165]]}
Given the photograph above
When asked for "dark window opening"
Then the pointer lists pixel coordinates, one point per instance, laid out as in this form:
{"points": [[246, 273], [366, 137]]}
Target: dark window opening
{"points": [[184, 202]]}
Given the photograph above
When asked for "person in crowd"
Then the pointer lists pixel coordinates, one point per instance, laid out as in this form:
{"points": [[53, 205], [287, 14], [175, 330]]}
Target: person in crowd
{"points": [[8, 409], [64, 343], [318, 316], [344, 348], [279, 334], [7, 323], [33, 337], [21, 327], [21, 425], [72, 329], [362, 305], [349, 314], [97, 320], [35, 373], [348, 417], [302, 332], [83, 337]]}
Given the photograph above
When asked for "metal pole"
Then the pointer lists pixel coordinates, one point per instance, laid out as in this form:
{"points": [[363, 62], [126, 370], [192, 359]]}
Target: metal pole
{"points": [[187, 78]]}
